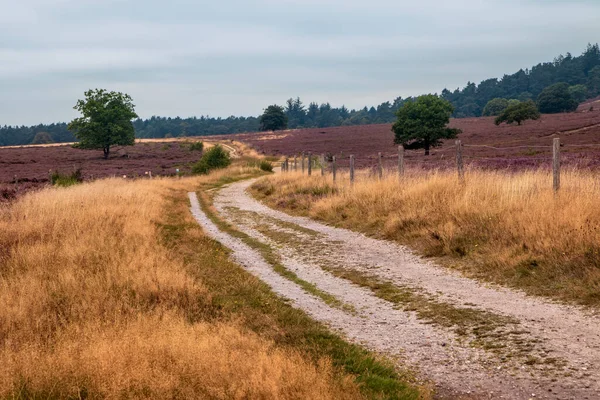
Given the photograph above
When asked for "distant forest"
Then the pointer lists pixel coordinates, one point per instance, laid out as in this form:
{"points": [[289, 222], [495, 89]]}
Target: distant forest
{"points": [[468, 102]]}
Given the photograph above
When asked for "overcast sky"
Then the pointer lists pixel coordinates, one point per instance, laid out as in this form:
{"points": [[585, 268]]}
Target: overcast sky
{"points": [[234, 57]]}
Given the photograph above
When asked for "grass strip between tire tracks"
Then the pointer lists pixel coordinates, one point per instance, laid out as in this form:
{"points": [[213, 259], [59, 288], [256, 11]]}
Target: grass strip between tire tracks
{"points": [[239, 295]]}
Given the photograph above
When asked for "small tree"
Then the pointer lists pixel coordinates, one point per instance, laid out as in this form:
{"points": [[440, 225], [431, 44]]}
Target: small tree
{"points": [[518, 113], [422, 123], [495, 107], [42, 138], [105, 121], [274, 118], [556, 99]]}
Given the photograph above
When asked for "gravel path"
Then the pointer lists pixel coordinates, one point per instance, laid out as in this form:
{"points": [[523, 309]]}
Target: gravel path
{"points": [[546, 350]]}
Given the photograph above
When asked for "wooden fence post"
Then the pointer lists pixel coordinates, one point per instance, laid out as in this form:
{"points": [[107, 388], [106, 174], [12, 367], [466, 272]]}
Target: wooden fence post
{"points": [[556, 164], [302, 163], [333, 168], [295, 163], [380, 165], [400, 161], [351, 169], [459, 161], [309, 164]]}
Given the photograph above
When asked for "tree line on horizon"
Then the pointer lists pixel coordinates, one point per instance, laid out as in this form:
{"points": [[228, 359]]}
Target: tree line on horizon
{"points": [[581, 74]]}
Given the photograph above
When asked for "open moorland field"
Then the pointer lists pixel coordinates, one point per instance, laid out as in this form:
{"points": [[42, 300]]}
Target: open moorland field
{"points": [[525, 146], [28, 167], [520, 147]]}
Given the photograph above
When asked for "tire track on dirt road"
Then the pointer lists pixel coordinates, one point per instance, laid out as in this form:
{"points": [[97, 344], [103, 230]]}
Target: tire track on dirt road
{"points": [[471, 340]]}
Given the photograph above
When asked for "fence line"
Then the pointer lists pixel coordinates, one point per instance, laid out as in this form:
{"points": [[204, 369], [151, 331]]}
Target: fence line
{"points": [[309, 162], [502, 158], [342, 157], [506, 148]]}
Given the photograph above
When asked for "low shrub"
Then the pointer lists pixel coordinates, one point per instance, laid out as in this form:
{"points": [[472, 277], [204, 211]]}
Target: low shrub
{"points": [[7, 193], [65, 180], [196, 146], [266, 166], [214, 158]]}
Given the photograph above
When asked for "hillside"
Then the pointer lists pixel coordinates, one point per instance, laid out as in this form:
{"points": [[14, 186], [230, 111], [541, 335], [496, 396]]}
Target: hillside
{"points": [[520, 144]]}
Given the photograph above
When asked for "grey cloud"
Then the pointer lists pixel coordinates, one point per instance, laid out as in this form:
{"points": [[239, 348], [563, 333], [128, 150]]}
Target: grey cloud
{"points": [[186, 57]]}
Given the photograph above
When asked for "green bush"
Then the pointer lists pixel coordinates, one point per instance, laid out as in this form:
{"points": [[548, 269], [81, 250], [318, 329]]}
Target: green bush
{"points": [[266, 166], [58, 179], [216, 157], [196, 146]]}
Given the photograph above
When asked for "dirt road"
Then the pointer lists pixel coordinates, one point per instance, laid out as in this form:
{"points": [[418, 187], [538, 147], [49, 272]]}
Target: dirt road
{"points": [[471, 340]]}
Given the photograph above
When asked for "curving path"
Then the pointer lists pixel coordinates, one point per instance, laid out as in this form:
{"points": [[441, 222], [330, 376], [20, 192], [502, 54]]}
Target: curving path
{"points": [[471, 340]]}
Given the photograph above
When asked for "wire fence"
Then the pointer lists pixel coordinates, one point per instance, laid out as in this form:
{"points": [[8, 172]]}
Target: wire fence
{"points": [[311, 164]]}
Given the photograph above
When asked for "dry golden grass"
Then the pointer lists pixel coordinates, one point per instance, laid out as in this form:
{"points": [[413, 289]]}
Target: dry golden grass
{"points": [[93, 304], [508, 228]]}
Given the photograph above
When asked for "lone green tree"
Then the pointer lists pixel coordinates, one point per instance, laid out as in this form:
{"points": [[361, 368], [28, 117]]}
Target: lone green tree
{"points": [[518, 113], [556, 99], [273, 119], [105, 121], [422, 123]]}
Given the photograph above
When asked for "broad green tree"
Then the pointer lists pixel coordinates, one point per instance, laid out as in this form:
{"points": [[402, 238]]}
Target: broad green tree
{"points": [[495, 107], [105, 121], [518, 113], [422, 123], [556, 99], [273, 119]]}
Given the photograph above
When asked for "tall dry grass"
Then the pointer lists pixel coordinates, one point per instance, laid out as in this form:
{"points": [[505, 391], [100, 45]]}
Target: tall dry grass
{"points": [[508, 228], [93, 305]]}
